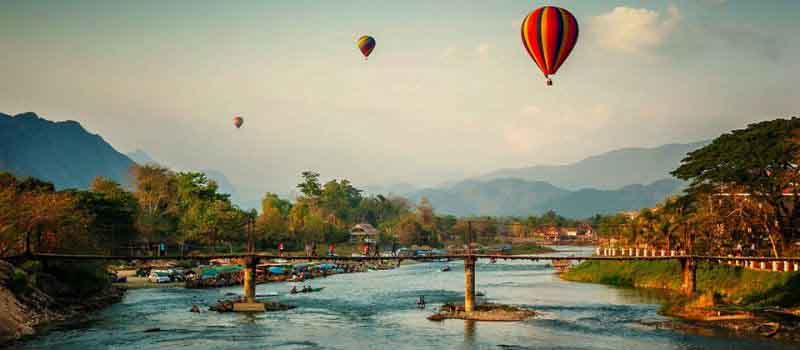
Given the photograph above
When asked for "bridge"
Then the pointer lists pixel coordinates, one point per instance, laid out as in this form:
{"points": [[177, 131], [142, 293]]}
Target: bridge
{"points": [[688, 264]]}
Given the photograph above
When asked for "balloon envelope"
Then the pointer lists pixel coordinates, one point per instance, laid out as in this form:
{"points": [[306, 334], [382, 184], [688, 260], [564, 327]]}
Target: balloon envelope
{"points": [[366, 44], [238, 121], [549, 33]]}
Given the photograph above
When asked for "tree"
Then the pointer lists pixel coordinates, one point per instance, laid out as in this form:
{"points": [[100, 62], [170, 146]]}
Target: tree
{"points": [[157, 194], [310, 186], [760, 161], [408, 230], [272, 224]]}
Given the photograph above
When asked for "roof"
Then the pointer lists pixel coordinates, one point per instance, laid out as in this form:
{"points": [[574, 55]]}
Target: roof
{"points": [[363, 229]]}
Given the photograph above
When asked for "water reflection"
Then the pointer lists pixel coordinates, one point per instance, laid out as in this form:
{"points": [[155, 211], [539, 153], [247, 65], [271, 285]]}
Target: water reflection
{"points": [[469, 334]]}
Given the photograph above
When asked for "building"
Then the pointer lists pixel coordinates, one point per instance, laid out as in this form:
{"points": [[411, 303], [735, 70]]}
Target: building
{"points": [[363, 233]]}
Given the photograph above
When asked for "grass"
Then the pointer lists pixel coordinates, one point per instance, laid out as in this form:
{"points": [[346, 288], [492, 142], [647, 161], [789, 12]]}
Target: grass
{"points": [[723, 283]]}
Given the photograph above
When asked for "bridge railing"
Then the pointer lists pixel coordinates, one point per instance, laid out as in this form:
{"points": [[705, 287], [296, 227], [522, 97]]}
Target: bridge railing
{"points": [[775, 264]]}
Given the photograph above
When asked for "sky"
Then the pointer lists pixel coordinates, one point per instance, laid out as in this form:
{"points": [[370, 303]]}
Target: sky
{"points": [[448, 93]]}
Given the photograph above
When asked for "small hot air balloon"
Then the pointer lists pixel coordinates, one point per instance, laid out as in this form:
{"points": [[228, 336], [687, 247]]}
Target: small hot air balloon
{"points": [[238, 121], [366, 44], [549, 33]]}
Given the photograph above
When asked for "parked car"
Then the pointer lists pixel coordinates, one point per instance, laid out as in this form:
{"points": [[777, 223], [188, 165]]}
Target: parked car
{"points": [[116, 279], [159, 277], [143, 272], [176, 275]]}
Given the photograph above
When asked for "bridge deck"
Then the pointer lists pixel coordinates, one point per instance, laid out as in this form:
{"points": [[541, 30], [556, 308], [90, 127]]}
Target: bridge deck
{"points": [[262, 256]]}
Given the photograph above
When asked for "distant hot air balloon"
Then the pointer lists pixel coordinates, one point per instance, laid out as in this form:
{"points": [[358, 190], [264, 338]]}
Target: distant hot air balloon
{"points": [[366, 44], [238, 121], [549, 33]]}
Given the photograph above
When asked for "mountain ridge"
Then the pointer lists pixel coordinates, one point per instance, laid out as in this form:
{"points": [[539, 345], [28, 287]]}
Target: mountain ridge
{"points": [[62, 152], [606, 171]]}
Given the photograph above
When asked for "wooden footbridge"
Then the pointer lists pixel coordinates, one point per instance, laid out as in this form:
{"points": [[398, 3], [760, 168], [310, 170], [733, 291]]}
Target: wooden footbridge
{"points": [[688, 264]]}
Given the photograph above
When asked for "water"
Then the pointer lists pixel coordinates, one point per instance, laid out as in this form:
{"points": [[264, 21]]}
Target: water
{"points": [[376, 310]]}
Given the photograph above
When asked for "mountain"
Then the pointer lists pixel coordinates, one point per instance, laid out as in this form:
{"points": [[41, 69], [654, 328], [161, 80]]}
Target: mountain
{"points": [[516, 197], [140, 157], [63, 153], [587, 202], [495, 197], [398, 189], [607, 171]]}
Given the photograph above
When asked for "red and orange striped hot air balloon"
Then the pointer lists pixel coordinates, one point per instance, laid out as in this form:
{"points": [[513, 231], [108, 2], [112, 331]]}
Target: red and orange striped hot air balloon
{"points": [[549, 33], [238, 121]]}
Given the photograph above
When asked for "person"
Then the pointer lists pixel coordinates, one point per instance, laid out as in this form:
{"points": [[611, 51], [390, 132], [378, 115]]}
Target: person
{"points": [[294, 290], [195, 308], [280, 249], [753, 249], [421, 302]]}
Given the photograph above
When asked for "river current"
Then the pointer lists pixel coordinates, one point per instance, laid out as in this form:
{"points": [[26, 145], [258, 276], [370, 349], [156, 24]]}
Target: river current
{"points": [[376, 310]]}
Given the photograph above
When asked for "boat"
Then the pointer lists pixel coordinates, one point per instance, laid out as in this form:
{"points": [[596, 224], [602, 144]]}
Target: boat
{"points": [[312, 290]]}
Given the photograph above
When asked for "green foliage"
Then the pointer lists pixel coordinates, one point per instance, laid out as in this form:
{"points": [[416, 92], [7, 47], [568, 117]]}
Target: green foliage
{"points": [[19, 282], [84, 278]]}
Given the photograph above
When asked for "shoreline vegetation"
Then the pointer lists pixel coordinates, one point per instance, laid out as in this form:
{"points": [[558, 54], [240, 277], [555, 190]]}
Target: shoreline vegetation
{"points": [[34, 298], [731, 299]]}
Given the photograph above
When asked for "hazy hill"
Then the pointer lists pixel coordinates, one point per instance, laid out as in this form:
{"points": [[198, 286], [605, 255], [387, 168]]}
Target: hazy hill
{"points": [[140, 157], [608, 171], [517, 197], [60, 152]]}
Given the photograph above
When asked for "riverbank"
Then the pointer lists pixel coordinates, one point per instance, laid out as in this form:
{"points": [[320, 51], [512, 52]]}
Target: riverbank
{"points": [[752, 303], [530, 248], [33, 298]]}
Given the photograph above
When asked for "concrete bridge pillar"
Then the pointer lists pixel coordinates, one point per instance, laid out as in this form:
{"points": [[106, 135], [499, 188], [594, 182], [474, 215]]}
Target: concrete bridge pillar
{"points": [[671, 253], [689, 268], [630, 251], [250, 281], [796, 267], [763, 265], [637, 251], [597, 251], [775, 266], [469, 284], [786, 267], [249, 304]]}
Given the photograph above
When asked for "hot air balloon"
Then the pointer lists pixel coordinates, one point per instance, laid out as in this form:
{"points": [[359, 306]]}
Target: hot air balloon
{"points": [[549, 33], [238, 121], [366, 44]]}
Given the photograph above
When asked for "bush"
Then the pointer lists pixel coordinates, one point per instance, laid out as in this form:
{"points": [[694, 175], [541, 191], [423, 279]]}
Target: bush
{"points": [[19, 282], [82, 278]]}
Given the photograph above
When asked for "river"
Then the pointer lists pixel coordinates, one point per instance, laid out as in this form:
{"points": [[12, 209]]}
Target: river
{"points": [[376, 310]]}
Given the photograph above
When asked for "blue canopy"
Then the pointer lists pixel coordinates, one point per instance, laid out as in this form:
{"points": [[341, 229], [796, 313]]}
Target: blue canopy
{"points": [[276, 270], [327, 266]]}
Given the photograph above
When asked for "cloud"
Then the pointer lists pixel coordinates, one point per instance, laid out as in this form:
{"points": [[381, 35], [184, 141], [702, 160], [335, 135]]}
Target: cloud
{"points": [[635, 30]]}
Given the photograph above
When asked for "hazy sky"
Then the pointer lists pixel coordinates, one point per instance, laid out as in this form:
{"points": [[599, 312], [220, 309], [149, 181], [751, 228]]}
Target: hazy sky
{"points": [[449, 91]]}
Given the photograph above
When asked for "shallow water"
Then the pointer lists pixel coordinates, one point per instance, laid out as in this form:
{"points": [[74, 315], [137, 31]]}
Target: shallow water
{"points": [[376, 310]]}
